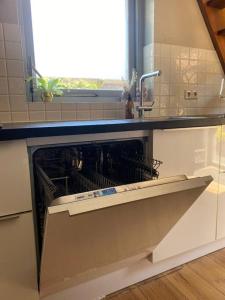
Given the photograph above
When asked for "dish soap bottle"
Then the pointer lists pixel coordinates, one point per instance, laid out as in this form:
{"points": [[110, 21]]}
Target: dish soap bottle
{"points": [[129, 108], [132, 96], [126, 98]]}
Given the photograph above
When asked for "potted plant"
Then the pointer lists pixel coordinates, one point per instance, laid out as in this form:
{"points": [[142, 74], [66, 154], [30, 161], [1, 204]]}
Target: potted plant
{"points": [[47, 87]]}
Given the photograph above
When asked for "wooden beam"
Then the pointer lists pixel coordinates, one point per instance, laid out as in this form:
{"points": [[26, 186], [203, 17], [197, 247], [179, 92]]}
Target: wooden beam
{"points": [[221, 32], [212, 19], [220, 4]]}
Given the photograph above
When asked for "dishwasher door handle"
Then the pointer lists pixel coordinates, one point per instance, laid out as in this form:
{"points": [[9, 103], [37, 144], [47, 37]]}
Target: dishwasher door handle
{"points": [[9, 217]]}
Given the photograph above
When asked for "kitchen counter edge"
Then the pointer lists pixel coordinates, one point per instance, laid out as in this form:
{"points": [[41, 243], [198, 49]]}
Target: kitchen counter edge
{"points": [[14, 131]]}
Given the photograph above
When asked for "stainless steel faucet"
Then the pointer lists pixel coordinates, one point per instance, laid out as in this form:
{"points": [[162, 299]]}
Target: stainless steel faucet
{"points": [[142, 108]]}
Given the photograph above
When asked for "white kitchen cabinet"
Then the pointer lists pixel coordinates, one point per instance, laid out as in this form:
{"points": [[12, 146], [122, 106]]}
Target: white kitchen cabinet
{"points": [[194, 152], [17, 258], [221, 193], [15, 178]]}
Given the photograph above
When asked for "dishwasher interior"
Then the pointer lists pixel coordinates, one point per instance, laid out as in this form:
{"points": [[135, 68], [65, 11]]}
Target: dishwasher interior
{"points": [[77, 168]]}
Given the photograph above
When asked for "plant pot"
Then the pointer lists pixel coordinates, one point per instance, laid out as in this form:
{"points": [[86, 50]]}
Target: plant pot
{"points": [[47, 97]]}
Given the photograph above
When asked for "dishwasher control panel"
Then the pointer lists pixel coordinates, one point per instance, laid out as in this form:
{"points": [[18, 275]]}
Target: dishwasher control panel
{"points": [[111, 191]]}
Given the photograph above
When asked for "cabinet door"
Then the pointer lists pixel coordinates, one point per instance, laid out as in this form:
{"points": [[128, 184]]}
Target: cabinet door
{"points": [[221, 193], [15, 190], [17, 258], [193, 152]]}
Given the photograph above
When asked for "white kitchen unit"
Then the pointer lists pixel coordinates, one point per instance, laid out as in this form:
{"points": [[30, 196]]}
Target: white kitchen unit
{"points": [[194, 152], [15, 178], [18, 272], [221, 193], [18, 278]]}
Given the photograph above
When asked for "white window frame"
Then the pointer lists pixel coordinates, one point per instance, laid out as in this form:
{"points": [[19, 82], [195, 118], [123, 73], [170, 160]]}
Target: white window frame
{"points": [[135, 23]]}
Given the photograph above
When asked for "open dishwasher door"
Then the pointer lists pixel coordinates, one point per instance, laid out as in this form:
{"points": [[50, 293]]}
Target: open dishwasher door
{"points": [[90, 234]]}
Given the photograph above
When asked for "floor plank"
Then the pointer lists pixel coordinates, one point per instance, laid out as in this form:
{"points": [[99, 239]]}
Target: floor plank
{"points": [[201, 279], [195, 286], [132, 293], [156, 289], [218, 256], [210, 271]]}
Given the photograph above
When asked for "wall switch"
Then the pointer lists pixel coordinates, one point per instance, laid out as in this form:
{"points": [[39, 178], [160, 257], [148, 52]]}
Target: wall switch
{"points": [[190, 95]]}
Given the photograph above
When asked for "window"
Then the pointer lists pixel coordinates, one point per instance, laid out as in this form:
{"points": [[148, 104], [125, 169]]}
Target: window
{"points": [[88, 44]]}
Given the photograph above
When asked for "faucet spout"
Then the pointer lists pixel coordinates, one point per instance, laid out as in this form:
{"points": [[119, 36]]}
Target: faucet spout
{"points": [[149, 75], [143, 108]]}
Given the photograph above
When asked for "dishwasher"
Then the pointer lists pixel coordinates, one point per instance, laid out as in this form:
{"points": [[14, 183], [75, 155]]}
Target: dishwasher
{"points": [[99, 205]]}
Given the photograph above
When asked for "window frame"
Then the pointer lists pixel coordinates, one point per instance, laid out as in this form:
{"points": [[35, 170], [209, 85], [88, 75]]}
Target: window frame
{"points": [[135, 42]]}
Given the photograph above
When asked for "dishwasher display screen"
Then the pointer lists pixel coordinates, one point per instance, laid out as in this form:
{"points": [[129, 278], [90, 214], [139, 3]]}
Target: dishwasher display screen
{"points": [[106, 192]]}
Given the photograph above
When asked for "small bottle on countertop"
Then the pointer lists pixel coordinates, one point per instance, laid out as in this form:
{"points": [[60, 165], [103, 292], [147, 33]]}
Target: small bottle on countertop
{"points": [[129, 108], [132, 97], [129, 104]]}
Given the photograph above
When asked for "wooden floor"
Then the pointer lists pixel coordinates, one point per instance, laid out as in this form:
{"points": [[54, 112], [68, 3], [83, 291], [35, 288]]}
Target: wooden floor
{"points": [[201, 279]]}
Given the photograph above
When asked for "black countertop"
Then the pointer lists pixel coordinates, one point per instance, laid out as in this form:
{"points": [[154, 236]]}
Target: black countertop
{"points": [[44, 129]]}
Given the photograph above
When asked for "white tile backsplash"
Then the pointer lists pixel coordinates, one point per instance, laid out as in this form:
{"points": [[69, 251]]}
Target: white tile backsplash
{"points": [[13, 50], [68, 115], [36, 116], [83, 115], [5, 117], [20, 116], [109, 106], [97, 114], [3, 70], [4, 103], [16, 86], [1, 33], [51, 106], [36, 106], [96, 106], [53, 115], [120, 114], [15, 68], [110, 114], [18, 103], [83, 106], [194, 53], [3, 86], [184, 68], [12, 32], [68, 106], [2, 49]]}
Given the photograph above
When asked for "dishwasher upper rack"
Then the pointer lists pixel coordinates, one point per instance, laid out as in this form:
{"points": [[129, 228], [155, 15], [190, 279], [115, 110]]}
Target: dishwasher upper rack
{"points": [[146, 172]]}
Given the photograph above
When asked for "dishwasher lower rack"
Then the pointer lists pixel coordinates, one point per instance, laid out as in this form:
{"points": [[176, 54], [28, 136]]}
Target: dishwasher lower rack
{"points": [[69, 170], [77, 181], [71, 182]]}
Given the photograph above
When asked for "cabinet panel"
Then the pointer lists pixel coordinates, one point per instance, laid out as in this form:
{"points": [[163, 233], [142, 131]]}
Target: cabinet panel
{"points": [[193, 152], [221, 193], [15, 179], [17, 258]]}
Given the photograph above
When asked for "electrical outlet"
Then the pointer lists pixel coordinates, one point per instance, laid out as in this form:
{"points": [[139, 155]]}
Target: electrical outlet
{"points": [[190, 95]]}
